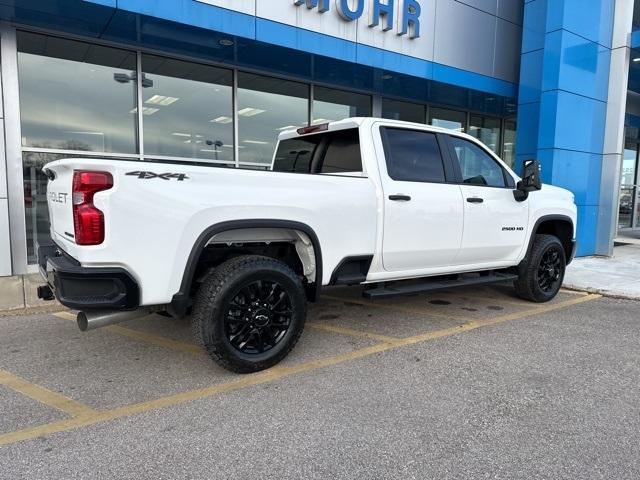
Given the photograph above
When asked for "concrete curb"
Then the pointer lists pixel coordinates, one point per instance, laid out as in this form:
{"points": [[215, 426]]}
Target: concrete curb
{"points": [[21, 312], [600, 291]]}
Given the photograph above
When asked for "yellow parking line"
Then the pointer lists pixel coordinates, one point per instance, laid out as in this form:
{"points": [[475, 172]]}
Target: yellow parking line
{"points": [[145, 337], [270, 375], [352, 333], [44, 395], [397, 308], [574, 292], [474, 324]]}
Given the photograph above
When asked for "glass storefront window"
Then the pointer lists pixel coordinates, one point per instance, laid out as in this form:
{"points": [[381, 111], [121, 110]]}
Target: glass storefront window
{"points": [[509, 143], [267, 106], [487, 130], [628, 187], [187, 110], [451, 119], [409, 112], [76, 96], [330, 105], [35, 198]]}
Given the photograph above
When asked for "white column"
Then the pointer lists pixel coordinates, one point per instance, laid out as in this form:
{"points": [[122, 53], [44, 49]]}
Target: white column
{"points": [[12, 158], [614, 128], [5, 239]]}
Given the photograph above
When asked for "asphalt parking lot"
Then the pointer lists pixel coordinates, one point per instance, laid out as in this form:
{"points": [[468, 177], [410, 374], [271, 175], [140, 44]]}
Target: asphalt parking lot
{"points": [[472, 383]]}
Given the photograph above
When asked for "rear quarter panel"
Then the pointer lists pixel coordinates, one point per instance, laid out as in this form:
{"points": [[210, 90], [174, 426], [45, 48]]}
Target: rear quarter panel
{"points": [[151, 225]]}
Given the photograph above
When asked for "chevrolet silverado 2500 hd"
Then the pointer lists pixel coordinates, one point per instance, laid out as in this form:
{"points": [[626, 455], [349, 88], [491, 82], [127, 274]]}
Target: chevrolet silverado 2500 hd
{"points": [[395, 206]]}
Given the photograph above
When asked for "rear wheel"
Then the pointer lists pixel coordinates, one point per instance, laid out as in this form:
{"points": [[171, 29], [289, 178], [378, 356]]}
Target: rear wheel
{"points": [[542, 277], [249, 313]]}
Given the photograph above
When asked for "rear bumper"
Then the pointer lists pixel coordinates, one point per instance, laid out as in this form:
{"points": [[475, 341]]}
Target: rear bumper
{"points": [[82, 288]]}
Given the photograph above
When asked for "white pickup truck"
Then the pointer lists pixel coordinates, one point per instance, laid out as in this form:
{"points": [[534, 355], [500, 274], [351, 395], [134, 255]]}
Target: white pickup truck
{"points": [[395, 206]]}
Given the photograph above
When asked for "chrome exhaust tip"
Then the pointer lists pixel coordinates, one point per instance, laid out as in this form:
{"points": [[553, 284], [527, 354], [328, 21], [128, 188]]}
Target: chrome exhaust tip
{"points": [[103, 318]]}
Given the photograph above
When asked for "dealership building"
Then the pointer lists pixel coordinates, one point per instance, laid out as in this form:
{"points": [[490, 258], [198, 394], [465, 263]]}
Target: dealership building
{"points": [[215, 81]]}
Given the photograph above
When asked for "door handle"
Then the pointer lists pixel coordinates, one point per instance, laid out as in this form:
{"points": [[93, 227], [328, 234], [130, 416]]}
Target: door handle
{"points": [[475, 200], [400, 198]]}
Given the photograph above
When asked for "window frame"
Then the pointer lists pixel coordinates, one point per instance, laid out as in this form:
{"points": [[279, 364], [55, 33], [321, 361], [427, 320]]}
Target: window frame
{"points": [[509, 181], [445, 154]]}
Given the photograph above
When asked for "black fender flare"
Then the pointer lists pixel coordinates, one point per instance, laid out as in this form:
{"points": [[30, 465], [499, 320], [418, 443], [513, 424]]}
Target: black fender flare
{"points": [[180, 301], [539, 221]]}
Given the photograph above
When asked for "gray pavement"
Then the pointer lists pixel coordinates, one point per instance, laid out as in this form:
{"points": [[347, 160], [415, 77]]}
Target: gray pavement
{"points": [[617, 276], [478, 385]]}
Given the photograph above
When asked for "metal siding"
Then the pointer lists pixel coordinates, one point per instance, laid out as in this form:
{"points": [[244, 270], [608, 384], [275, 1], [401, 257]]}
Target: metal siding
{"points": [[464, 37]]}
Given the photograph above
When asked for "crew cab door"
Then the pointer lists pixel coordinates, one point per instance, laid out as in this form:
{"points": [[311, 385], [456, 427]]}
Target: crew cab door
{"points": [[423, 211], [495, 224]]}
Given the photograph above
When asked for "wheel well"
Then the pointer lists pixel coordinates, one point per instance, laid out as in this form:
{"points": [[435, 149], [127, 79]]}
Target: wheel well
{"points": [[562, 229], [295, 248]]}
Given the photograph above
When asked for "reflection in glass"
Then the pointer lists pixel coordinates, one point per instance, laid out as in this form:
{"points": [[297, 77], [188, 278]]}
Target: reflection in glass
{"points": [[408, 112], [476, 166], [487, 130], [266, 107], [187, 110], [509, 143], [451, 119], [35, 199], [76, 96], [330, 105], [628, 190]]}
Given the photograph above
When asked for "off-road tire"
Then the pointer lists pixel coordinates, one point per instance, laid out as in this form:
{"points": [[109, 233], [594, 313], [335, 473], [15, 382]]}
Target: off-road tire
{"points": [[211, 305], [528, 284]]}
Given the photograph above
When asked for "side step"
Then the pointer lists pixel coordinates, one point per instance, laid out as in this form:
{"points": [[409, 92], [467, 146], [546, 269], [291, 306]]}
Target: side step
{"points": [[436, 283]]}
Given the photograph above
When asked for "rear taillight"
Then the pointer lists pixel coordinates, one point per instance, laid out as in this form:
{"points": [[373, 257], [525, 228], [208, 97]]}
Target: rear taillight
{"points": [[88, 221]]}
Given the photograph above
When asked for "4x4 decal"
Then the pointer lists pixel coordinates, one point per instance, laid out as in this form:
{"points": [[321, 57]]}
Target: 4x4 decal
{"points": [[164, 176]]}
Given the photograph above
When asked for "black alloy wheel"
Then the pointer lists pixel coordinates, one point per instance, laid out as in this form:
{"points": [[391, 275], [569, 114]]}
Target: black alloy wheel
{"points": [[258, 317], [550, 269], [541, 274], [249, 312]]}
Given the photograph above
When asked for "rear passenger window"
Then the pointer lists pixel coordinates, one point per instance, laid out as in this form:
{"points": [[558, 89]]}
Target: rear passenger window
{"points": [[413, 156], [330, 153]]}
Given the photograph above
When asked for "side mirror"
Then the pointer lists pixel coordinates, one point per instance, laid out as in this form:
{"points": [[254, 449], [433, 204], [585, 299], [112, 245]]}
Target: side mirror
{"points": [[530, 180]]}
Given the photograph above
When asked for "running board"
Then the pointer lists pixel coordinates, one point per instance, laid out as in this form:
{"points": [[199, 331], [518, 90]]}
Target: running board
{"points": [[428, 285]]}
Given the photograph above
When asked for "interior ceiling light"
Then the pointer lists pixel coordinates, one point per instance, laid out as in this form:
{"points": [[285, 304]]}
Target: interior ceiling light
{"points": [[256, 142], [145, 110], [288, 127], [178, 134], [222, 120], [250, 112], [226, 42], [636, 59], [162, 100]]}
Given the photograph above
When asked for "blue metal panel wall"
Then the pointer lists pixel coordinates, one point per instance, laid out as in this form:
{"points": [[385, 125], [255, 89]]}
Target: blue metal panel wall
{"points": [[174, 21], [566, 54]]}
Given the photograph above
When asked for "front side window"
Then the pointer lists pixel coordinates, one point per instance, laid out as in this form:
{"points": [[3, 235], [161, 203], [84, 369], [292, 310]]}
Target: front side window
{"points": [[413, 156], [476, 166], [76, 96]]}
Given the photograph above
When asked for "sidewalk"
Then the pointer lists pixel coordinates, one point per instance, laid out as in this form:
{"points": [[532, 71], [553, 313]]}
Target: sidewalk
{"points": [[618, 276]]}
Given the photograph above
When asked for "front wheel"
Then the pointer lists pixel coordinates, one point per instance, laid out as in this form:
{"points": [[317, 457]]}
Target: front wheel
{"points": [[249, 313], [542, 277]]}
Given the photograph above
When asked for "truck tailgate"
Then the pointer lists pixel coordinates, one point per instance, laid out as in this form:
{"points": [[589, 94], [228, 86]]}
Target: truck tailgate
{"points": [[59, 199]]}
